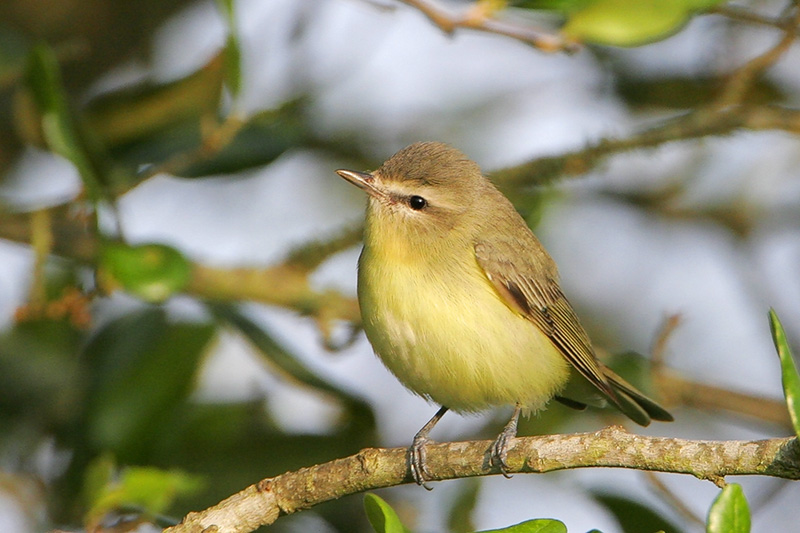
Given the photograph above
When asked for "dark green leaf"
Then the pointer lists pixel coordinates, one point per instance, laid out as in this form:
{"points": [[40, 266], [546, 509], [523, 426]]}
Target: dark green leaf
{"points": [[685, 92], [382, 516], [559, 6], [39, 375], [274, 350], [540, 525], [143, 368], [460, 516], [136, 114], [633, 516], [362, 420], [14, 49], [729, 513], [261, 141], [790, 378], [236, 444], [265, 137]]}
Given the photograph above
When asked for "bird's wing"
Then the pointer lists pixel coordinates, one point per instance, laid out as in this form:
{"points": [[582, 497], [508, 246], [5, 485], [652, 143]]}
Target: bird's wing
{"points": [[528, 284], [532, 291]]}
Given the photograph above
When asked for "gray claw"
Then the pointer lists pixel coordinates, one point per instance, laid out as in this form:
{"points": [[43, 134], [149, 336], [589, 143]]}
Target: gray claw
{"points": [[416, 462], [499, 450], [499, 453]]}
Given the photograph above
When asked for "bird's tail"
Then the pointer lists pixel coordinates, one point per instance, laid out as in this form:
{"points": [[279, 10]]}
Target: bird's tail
{"points": [[627, 398], [633, 402]]}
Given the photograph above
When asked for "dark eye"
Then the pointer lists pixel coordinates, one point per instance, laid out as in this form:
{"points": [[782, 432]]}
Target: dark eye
{"points": [[417, 202]]}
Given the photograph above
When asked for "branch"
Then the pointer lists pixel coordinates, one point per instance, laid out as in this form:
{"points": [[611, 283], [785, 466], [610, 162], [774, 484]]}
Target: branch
{"points": [[694, 125], [478, 19], [283, 285], [743, 14], [674, 389], [264, 502], [286, 284], [742, 79]]}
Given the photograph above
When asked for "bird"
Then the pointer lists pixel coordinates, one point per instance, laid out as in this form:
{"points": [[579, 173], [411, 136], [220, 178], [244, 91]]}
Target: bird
{"points": [[462, 303]]}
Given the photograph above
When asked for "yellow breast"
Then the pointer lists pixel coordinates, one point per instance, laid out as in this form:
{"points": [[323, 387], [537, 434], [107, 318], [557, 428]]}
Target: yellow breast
{"points": [[443, 330]]}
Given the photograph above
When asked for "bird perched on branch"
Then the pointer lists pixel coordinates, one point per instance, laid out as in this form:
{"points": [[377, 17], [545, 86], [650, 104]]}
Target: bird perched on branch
{"points": [[462, 303]]}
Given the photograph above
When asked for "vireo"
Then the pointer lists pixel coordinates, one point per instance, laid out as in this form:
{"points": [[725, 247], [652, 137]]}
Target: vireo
{"points": [[462, 303]]}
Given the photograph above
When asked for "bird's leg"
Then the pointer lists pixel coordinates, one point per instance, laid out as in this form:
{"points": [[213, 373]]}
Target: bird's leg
{"points": [[416, 454], [499, 450]]}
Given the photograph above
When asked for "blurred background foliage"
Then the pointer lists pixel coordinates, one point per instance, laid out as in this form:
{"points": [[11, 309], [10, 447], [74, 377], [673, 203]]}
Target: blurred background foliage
{"points": [[109, 337]]}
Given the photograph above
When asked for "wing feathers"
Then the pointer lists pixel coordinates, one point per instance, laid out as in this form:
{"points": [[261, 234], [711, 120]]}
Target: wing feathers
{"points": [[531, 289]]}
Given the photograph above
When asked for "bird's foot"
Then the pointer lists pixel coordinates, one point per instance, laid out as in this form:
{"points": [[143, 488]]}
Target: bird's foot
{"points": [[416, 461], [498, 454], [417, 455]]}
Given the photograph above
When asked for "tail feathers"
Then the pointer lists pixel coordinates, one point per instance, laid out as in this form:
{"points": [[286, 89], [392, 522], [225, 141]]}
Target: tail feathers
{"points": [[627, 398], [634, 403]]}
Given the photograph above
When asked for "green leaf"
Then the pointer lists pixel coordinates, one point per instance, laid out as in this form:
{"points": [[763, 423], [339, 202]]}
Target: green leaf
{"points": [[233, 54], [625, 23], [633, 516], [789, 376], [59, 129], [729, 513], [539, 525], [152, 272], [630, 22], [381, 516], [96, 478], [149, 489], [621, 22]]}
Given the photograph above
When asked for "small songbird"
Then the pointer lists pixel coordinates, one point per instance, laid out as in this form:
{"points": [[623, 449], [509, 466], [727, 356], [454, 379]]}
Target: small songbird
{"points": [[462, 303]]}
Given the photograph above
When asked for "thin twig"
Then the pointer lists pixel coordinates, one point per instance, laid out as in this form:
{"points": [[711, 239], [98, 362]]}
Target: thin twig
{"points": [[700, 123], [743, 14], [674, 389], [42, 244], [286, 284], [658, 352], [448, 23], [266, 501], [742, 79]]}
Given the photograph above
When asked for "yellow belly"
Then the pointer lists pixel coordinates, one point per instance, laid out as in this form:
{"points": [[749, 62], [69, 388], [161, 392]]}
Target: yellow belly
{"points": [[447, 336]]}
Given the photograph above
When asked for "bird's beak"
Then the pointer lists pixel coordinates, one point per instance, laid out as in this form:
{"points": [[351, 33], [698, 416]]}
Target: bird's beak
{"points": [[363, 181]]}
